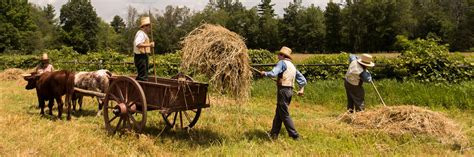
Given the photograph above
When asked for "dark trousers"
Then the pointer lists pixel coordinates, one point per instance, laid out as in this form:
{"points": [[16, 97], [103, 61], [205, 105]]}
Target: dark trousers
{"points": [[281, 113], [141, 62], [355, 97]]}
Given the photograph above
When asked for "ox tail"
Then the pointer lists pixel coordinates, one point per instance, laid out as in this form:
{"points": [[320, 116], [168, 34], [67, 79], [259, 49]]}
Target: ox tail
{"points": [[69, 91]]}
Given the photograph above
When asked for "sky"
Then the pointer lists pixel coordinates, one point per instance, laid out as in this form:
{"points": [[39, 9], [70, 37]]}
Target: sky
{"points": [[107, 9]]}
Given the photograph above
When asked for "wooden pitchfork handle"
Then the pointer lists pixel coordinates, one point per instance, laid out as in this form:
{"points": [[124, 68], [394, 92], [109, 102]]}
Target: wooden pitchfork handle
{"points": [[378, 92], [255, 69]]}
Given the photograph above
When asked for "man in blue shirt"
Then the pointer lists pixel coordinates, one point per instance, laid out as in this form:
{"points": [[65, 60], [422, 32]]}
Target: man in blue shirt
{"points": [[357, 74], [286, 73]]}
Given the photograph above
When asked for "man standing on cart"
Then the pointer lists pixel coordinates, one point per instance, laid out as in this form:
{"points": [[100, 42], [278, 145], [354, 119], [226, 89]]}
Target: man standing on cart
{"points": [[142, 47]]}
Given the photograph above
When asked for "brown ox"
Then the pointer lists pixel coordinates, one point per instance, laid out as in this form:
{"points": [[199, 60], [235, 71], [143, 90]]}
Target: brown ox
{"points": [[50, 86]]}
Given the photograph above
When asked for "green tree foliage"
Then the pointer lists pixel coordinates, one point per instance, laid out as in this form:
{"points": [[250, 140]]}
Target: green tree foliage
{"points": [[311, 30], [108, 39], [268, 36], [289, 25], [47, 34], [463, 36], [130, 29], [333, 22], [171, 27], [16, 26], [118, 24], [80, 25], [371, 25]]}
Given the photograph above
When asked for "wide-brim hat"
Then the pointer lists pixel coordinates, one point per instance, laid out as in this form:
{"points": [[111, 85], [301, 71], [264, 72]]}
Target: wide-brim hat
{"points": [[285, 51], [44, 57], [366, 59], [144, 21]]}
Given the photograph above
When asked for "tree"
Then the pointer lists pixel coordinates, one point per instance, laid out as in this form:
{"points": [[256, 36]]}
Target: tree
{"points": [[268, 36], [118, 24], [372, 25], [333, 22], [49, 14], [16, 26], [80, 25], [130, 30], [289, 25], [108, 39], [171, 27], [463, 36], [311, 30], [46, 36]]}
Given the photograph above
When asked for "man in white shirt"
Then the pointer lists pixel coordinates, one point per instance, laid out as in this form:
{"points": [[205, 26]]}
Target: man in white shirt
{"points": [[357, 74], [287, 74], [142, 47], [44, 65]]}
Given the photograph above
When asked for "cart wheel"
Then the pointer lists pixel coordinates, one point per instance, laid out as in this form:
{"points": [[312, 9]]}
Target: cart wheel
{"points": [[124, 106], [186, 119]]}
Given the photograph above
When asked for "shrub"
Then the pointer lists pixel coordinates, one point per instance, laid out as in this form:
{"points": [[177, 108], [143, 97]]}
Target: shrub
{"points": [[427, 61], [322, 71], [261, 56]]}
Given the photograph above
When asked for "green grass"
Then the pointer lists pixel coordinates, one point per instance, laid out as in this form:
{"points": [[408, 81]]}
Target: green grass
{"points": [[230, 128]]}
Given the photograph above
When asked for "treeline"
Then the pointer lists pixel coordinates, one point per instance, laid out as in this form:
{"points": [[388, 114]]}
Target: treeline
{"points": [[352, 26]]}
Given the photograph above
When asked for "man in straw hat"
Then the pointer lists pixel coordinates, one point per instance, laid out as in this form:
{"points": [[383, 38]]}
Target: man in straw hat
{"points": [[44, 65], [286, 73], [357, 74], [141, 48]]}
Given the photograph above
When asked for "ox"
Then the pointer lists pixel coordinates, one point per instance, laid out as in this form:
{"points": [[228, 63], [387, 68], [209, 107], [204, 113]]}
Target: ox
{"points": [[50, 86], [97, 81]]}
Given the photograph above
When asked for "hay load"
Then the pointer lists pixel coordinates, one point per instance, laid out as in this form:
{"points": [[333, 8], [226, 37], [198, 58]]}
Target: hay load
{"points": [[399, 120], [221, 55]]}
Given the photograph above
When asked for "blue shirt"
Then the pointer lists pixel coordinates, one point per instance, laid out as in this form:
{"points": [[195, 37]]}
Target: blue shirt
{"points": [[365, 75], [280, 67]]}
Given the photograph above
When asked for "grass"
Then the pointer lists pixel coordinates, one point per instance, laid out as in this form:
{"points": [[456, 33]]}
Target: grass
{"points": [[229, 128]]}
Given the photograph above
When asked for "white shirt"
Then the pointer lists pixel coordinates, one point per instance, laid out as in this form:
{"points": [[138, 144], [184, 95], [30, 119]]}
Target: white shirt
{"points": [[41, 69], [140, 38]]}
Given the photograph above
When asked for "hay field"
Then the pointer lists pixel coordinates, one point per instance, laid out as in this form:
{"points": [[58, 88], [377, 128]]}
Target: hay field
{"points": [[225, 129]]}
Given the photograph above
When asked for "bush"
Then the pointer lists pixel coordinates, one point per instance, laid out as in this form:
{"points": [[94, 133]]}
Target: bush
{"points": [[427, 61], [18, 61], [323, 71], [261, 56]]}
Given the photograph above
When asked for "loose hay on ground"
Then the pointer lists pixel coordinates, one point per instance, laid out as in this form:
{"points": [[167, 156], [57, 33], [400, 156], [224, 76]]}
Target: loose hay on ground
{"points": [[221, 55], [11, 74], [399, 120]]}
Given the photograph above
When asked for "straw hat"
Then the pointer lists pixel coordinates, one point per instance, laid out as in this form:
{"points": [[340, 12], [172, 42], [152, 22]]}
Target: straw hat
{"points": [[44, 57], [285, 51], [145, 21], [366, 59]]}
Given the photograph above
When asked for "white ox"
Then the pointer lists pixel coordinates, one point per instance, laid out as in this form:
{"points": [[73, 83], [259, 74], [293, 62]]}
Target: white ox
{"points": [[97, 81]]}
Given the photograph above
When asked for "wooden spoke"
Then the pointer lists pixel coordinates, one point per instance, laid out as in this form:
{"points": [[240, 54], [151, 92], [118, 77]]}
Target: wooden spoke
{"points": [[115, 98], [190, 116], [113, 118], [120, 94], [118, 125], [124, 93]]}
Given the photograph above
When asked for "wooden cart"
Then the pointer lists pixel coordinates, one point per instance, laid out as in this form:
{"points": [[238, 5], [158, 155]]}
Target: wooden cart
{"points": [[179, 100]]}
